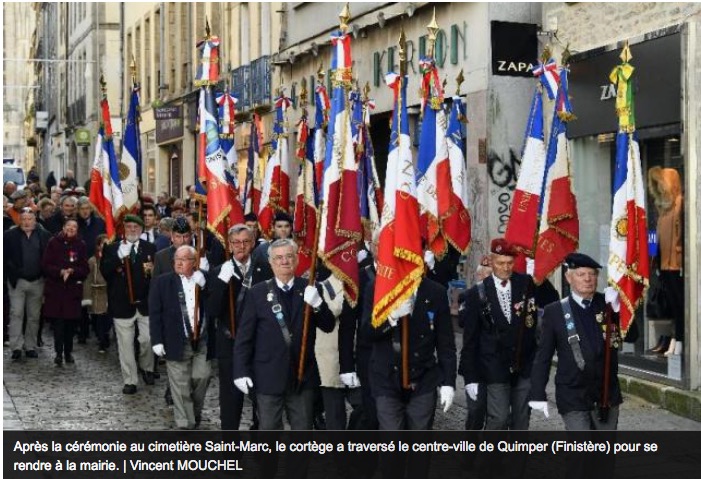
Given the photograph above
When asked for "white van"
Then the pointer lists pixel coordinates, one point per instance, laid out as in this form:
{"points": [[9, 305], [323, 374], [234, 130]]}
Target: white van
{"points": [[12, 172]]}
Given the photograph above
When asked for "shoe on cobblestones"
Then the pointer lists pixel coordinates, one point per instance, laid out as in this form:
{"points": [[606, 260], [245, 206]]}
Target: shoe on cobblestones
{"points": [[31, 354], [148, 378], [168, 397], [129, 389], [58, 361], [16, 355], [69, 359]]}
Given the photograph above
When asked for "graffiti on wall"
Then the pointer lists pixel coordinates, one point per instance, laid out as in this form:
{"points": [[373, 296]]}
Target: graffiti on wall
{"points": [[503, 174]]}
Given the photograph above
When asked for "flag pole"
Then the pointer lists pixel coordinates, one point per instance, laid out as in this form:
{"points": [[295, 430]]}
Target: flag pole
{"points": [[406, 383], [137, 118], [344, 16]]}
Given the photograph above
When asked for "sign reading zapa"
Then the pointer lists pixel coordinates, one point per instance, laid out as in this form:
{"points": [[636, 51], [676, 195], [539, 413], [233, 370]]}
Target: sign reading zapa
{"points": [[169, 123], [514, 48]]}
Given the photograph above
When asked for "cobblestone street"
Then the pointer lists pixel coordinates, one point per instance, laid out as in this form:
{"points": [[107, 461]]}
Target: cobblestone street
{"points": [[88, 396]]}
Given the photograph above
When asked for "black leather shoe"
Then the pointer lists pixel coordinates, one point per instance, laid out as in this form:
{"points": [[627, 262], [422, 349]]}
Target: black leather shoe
{"points": [[129, 389], [31, 354], [319, 422], [58, 361], [69, 359], [16, 354], [148, 378]]}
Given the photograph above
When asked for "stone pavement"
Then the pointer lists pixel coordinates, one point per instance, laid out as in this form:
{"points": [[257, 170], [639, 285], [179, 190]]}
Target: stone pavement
{"points": [[88, 396]]}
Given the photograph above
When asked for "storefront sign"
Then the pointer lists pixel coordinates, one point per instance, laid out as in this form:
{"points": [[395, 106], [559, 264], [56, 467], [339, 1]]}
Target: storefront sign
{"points": [[82, 137], [514, 48], [169, 123], [656, 84]]}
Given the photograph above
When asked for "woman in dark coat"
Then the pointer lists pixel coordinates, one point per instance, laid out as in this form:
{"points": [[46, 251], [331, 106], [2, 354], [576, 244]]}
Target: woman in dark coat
{"points": [[65, 267]]}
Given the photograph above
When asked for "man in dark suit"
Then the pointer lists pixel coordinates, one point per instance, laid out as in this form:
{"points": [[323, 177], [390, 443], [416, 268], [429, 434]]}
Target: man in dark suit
{"points": [[499, 340], [432, 359], [127, 267], [269, 341], [180, 235], [575, 327], [178, 332], [231, 281]]}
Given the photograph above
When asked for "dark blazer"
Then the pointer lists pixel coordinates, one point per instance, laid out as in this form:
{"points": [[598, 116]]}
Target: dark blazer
{"points": [[260, 351], [575, 390], [162, 242], [12, 251], [112, 268], [163, 262], [446, 269], [62, 299], [218, 304], [166, 322], [432, 355], [354, 345], [489, 349], [90, 232]]}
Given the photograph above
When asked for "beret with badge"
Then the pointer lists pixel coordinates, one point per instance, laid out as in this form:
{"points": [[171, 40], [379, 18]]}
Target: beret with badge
{"points": [[502, 247]]}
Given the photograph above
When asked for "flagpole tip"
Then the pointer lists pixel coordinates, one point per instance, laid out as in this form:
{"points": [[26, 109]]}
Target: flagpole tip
{"points": [[344, 17], [459, 80], [547, 54], [626, 55]]}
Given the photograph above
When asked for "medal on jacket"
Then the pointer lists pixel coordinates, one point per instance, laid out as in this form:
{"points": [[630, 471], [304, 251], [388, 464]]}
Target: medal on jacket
{"points": [[72, 256], [431, 314], [269, 297], [529, 321]]}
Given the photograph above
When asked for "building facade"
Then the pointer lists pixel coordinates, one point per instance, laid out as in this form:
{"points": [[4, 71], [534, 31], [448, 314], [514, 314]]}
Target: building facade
{"points": [[664, 42], [18, 82]]}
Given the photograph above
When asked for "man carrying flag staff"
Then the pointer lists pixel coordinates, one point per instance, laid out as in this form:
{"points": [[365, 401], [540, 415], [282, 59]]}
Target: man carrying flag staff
{"points": [[413, 357]]}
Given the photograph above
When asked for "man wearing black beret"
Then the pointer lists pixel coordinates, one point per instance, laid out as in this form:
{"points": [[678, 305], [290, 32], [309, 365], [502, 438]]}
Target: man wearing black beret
{"points": [[576, 328]]}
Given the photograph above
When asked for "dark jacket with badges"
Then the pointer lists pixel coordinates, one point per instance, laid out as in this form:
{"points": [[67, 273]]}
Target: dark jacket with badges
{"points": [[167, 325], [113, 269], [62, 298], [260, 350], [432, 355], [218, 303], [576, 390], [491, 352]]}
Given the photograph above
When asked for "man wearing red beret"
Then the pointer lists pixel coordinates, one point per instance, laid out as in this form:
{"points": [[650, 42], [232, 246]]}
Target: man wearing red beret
{"points": [[499, 341]]}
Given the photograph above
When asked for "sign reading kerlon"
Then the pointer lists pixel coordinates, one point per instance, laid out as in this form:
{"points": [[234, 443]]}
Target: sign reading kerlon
{"points": [[169, 123]]}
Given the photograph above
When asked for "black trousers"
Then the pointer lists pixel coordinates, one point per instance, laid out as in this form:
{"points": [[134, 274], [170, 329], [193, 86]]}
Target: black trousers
{"points": [[63, 335], [103, 326], [230, 398]]}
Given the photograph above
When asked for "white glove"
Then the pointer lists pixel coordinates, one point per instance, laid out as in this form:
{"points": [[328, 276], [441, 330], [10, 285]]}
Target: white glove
{"points": [[198, 277], [204, 264], [404, 309], [362, 254], [227, 272], [86, 303], [312, 297], [159, 350], [447, 394], [392, 322], [540, 406], [611, 296], [430, 259], [243, 384], [350, 379], [124, 250], [471, 390]]}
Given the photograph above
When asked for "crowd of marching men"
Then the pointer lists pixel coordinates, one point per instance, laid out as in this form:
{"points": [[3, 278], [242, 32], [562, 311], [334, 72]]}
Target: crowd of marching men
{"points": [[169, 284]]}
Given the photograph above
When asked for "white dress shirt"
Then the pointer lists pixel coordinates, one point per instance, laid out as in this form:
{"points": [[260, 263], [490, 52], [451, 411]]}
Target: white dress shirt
{"points": [[504, 296], [189, 290]]}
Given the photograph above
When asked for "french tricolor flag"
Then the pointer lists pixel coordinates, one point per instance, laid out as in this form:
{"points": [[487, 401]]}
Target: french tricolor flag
{"points": [[522, 228]]}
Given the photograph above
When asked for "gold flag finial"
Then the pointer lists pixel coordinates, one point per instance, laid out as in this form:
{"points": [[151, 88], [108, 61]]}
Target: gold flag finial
{"points": [[303, 92], [432, 34], [566, 54], [459, 80], [626, 56], [402, 52], [132, 68], [344, 16], [103, 84], [206, 27], [321, 73], [546, 54], [366, 91]]}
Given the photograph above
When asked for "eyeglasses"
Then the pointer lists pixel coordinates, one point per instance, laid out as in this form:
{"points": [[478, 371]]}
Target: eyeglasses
{"points": [[280, 258], [184, 259], [240, 242]]}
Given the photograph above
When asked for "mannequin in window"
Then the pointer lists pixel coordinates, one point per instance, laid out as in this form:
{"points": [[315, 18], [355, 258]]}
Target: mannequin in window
{"points": [[665, 187]]}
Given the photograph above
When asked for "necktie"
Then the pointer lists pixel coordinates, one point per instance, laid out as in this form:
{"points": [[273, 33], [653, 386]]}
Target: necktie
{"points": [[504, 283], [586, 303], [286, 288], [132, 253], [243, 270]]}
